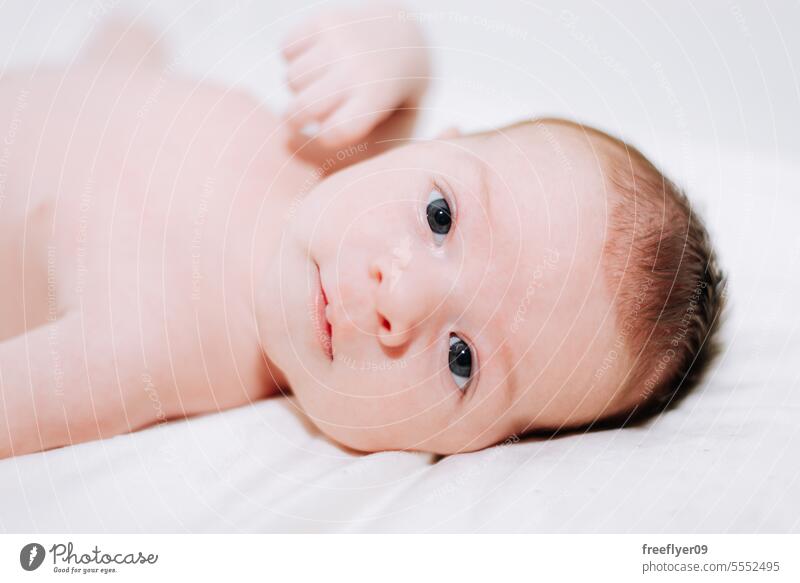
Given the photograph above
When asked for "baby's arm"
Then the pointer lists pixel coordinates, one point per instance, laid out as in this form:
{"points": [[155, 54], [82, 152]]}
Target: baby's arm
{"points": [[358, 74], [61, 384]]}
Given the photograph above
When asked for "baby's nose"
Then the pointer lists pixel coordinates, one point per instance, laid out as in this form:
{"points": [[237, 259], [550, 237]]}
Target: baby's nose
{"points": [[407, 294]]}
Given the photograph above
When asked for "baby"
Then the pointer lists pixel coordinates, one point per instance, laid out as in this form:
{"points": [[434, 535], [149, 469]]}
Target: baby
{"points": [[172, 248]]}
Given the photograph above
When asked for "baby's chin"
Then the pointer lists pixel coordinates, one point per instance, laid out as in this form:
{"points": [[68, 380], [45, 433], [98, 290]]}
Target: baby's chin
{"points": [[374, 440], [354, 439]]}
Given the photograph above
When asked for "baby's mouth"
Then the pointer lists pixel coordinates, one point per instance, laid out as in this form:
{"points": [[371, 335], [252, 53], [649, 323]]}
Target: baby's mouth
{"points": [[323, 328]]}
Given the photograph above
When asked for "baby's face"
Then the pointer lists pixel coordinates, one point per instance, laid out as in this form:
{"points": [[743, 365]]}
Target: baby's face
{"points": [[465, 294]]}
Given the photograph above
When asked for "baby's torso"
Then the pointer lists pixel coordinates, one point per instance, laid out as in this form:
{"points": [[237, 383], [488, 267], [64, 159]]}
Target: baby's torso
{"points": [[134, 201]]}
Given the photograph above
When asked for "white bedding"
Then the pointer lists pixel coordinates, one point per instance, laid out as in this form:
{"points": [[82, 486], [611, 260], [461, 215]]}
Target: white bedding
{"points": [[728, 459]]}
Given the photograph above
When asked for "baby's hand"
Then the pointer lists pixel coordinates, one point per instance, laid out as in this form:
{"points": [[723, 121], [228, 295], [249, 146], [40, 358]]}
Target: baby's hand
{"points": [[350, 69]]}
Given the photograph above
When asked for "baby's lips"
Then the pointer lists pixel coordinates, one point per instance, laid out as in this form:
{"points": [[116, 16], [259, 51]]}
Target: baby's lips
{"points": [[329, 316]]}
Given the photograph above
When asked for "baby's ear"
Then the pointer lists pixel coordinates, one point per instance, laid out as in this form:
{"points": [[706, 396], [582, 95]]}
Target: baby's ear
{"points": [[449, 133]]}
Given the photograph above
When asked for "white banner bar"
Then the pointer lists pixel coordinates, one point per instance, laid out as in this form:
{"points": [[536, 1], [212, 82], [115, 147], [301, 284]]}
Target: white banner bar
{"points": [[401, 558]]}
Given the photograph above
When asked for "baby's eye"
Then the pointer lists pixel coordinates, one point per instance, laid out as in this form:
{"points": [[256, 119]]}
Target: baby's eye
{"points": [[439, 217], [460, 361]]}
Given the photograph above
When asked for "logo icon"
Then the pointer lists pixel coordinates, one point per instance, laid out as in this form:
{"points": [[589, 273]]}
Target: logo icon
{"points": [[31, 556]]}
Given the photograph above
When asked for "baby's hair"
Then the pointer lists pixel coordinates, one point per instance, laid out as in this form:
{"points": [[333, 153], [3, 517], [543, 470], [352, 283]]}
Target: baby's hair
{"points": [[660, 265], [669, 292]]}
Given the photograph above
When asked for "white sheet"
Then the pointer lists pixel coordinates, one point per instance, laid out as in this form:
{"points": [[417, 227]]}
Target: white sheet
{"points": [[726, 460]]}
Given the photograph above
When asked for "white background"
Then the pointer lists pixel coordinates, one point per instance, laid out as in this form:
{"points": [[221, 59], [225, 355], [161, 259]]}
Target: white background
{"points": [[709, 88]]}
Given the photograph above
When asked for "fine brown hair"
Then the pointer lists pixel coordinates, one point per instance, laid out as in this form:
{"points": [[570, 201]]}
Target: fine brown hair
{"points": [[660, 265], [659, 246], [669, 289]]}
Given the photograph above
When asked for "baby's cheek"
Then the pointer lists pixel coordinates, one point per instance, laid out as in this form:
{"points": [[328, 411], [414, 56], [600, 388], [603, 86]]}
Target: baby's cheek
{"points": [[362, 423], [389, 395], [371, 406]]}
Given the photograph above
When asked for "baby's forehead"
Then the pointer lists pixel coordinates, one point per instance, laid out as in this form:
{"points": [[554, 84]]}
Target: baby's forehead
{"points": [[546, 207], [524, 163], [529, 193]]}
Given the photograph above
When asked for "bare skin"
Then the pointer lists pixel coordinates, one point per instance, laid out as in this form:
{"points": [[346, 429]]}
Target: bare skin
{"points": [[134, 205], [125, 300], [165, 242]]}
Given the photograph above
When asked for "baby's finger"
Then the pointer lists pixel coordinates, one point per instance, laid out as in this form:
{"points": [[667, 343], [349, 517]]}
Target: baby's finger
{"points": [[313, 104], [350, 123], [299, 39], [305, 69]]}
